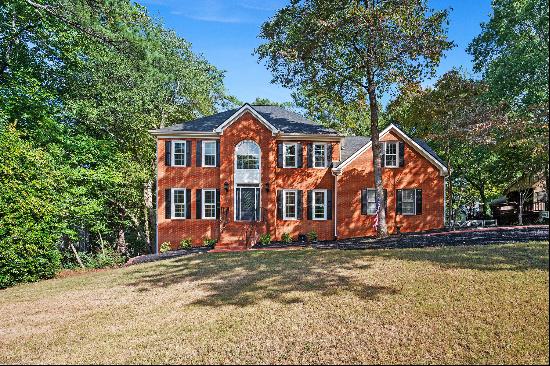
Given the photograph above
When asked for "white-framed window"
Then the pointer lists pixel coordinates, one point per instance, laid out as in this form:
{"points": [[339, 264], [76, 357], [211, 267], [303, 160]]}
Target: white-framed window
{"points": [[290, 155], [248, 155], [391, 154], [319, 204], [178, 204], [209, 153], [208, 203], [320, 155], [371, 201], [179, 153], [290, 204], [408, 206]]}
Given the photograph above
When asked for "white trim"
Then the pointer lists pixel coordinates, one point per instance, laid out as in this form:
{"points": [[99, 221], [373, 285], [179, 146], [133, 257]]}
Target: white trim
{"points": [[325, 165], [335, 217], [203, 204], [185, 134], [173, 204], [245, 108], [324, 204], [442, 168], [285, 217], [396, 144], [173, 152], [257, 200], [295, 144], [375, 207], [203, 164]]}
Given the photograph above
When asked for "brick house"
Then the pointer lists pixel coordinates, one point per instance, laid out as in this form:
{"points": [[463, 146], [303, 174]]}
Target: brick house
{"points": [[238, 174]]}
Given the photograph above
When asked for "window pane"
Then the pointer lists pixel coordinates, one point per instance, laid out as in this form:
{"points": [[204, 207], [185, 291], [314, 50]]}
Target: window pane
{"points": [[320, 198], [408, 195], [319, 156], [371, 207], [290, 155], [179, 153], [391, 148], [248, 155], [179, 196], [209, 153], [371, 195], [247, 162], [209, 196]]}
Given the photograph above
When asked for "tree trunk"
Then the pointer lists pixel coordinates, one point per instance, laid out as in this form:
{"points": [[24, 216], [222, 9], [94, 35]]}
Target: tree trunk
{"points": [[520, 208], [122, 246], [382, 228], [76, 254], [147, 208]]}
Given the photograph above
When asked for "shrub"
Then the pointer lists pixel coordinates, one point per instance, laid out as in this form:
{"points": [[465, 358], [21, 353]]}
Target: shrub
{"points": [[286, 238], [209, 242], [312, 236], [265, 239], [186, 243], [165, 247], [106, 258]]}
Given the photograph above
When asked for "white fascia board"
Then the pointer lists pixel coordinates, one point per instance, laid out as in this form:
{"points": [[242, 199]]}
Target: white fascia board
{"points": [[442, 168], [245, 108]]}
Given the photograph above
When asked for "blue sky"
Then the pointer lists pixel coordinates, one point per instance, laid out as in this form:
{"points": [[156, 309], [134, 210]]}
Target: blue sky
{"points": [[225, 32]]}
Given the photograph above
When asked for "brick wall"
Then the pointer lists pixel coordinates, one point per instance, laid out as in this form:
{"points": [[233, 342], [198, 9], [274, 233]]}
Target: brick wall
{"points": [[417, 173]]}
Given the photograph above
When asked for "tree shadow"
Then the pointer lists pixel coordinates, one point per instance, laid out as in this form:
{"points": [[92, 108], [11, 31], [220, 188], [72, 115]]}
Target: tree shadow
{"points": [[514, 257], [246, 278]]}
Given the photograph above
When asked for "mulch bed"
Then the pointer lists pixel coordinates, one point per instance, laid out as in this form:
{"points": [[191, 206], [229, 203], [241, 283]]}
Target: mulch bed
{"points": [[167, 255]]}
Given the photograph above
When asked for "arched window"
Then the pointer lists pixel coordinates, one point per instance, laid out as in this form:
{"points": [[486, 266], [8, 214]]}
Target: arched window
{"points": [[248, 155]]}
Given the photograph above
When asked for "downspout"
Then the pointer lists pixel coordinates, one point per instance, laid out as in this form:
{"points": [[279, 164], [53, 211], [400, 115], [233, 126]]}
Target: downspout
{"points": [[157, 199], [445, 201]]}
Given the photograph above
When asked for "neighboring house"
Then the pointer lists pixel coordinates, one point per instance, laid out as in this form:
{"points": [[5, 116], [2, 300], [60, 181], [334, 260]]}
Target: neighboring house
{"points": [[238, 174], [531, 192]]}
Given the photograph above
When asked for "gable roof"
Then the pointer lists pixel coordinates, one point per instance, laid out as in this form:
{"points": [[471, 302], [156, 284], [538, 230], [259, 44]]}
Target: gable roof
{"points": [[356, 145], [277, 119]]}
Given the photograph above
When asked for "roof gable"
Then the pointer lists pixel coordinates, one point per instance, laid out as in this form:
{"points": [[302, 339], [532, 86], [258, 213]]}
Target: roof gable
{"points": [[419, 145], [235, 116]]}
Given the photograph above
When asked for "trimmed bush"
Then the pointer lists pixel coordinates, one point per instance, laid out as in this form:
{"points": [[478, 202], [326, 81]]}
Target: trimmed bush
{"points": [[286, 238], [209, 242], [265, 239], [186, 243], [312, 236], [165, 247]]}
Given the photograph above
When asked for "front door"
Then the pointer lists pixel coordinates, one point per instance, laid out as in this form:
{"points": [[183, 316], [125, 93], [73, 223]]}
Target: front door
{"points": [[247, 203]]}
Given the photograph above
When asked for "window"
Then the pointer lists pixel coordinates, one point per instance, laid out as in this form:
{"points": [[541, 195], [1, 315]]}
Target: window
{"points": [[248, 155], [371, 201], [409, 202], [178, 203], [319, 155], [209, 153], [289, 155], [391, 154], [290, 211], [208, 203], [320, 205], [179, 153]]}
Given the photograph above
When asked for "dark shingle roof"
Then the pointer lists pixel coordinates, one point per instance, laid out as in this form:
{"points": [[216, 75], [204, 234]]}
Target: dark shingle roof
{"points": [[350, 145], [284, 120]]}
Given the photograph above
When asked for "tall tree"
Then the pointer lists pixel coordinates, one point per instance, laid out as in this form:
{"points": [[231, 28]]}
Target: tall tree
{"points": [[352, 50]]}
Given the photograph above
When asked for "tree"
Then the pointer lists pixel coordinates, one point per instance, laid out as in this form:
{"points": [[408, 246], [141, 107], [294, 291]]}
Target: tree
{"points": [[456, 119], [351, 50]]}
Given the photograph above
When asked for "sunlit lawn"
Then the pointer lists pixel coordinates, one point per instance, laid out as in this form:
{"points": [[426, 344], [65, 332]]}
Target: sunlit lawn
{"points": [[439, 305]]}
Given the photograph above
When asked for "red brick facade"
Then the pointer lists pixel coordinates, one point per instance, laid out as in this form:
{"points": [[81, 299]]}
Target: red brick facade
{"points": [[418, 172]]}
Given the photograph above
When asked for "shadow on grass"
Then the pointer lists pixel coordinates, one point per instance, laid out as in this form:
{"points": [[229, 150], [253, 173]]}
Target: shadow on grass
{"points": [[526, 256], [246, 278], [286, 277]]}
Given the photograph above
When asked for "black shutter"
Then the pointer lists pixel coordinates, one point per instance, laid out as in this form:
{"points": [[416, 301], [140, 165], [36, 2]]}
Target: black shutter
{"points": [[419, 202], [188, 203], [280, 204], [218, 153], [299, 205], [309, 156], [238, 204], [299, 155], [279, 155], [329, 155], [199, 153], [401, 153], [168, 153], [309, 205], [399, 202], [386, 201], [383, 153], [167, 203], [329, 205], [364, 202], [198, 199], [188, 144], [218, 204]]}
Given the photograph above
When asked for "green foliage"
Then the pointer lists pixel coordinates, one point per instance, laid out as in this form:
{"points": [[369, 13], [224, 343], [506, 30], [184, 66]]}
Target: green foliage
{"points": [[102, 259], [186, 243], [286, 238], [30, 211], [312, 236], [265, 239], [165, 247], [209, 242]]}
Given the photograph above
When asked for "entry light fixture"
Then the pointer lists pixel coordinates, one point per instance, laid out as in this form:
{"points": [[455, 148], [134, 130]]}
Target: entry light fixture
{"points": [[266, 185], [226, 186]]}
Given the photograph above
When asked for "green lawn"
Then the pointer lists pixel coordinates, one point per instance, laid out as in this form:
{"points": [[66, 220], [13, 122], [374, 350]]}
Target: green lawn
{"points": [[438, 305]]}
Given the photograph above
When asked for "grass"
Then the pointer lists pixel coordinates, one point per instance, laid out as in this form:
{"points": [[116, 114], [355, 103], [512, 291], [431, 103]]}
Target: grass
{"points": [[482, 304]]}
